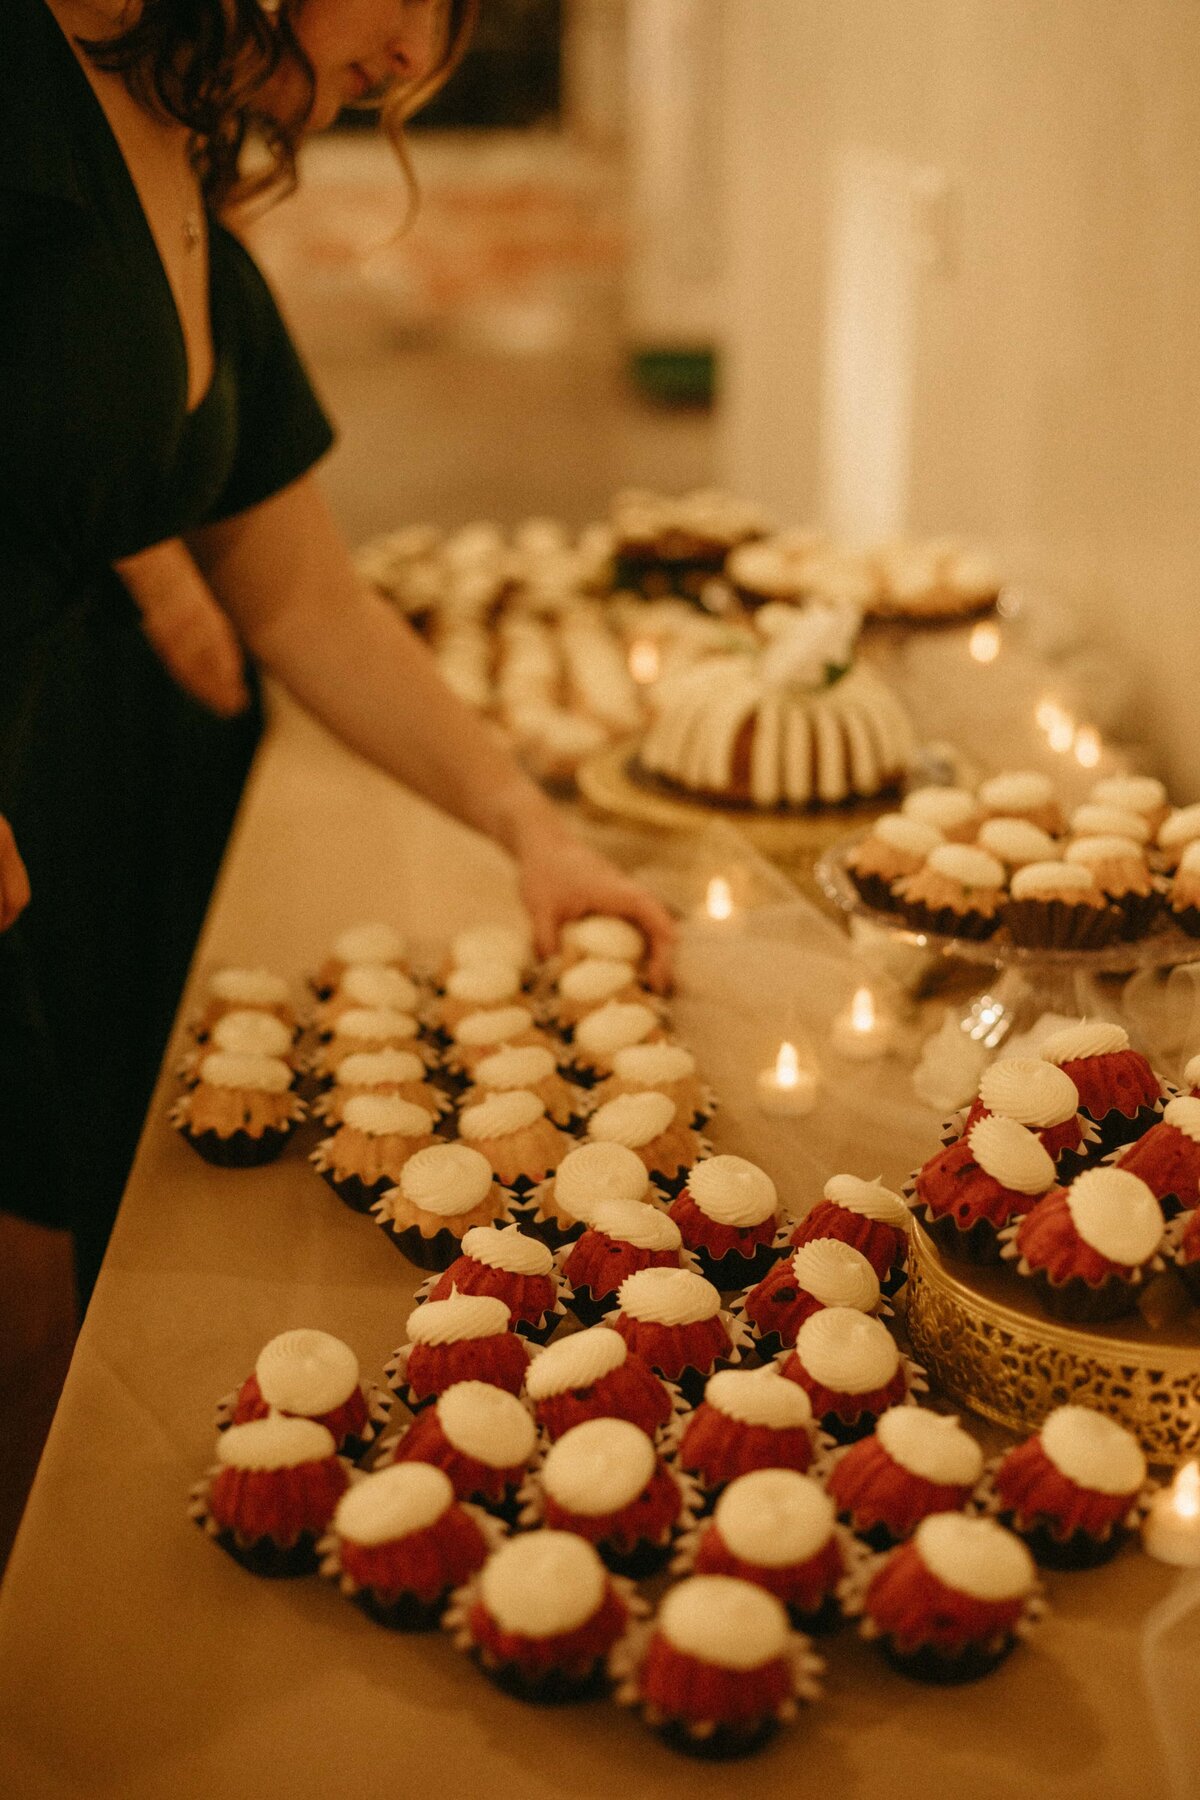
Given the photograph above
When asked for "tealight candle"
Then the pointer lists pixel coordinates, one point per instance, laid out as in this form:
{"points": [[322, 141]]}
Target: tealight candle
{"points": [[786, 1089], [1171, 1530], [863, 1030], [645, 661], [984, 643], [718, 900]]}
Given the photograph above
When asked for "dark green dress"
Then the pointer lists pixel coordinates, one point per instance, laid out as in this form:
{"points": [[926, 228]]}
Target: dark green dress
{"points": [[120, 789]]}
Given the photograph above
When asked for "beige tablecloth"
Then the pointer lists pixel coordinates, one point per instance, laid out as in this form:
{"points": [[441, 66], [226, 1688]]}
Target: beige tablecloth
{"points": [[136, 1660]]}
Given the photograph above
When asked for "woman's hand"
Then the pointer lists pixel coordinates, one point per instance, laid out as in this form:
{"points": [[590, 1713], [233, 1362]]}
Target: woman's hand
{"points": [[14, 882], [190, 634], [562, 879]]}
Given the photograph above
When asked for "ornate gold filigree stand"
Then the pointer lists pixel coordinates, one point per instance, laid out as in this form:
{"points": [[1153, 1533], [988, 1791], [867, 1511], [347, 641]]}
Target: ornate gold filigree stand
{"points": [[1013, 1366]]}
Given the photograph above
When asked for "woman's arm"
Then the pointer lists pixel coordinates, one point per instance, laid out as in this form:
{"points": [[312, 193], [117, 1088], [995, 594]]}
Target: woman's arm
{"points": [[282, 572], [14, 882], [190, 634]]}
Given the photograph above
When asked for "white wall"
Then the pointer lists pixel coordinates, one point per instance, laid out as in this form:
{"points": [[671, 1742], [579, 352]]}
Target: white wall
{"points": [[964, 295]]}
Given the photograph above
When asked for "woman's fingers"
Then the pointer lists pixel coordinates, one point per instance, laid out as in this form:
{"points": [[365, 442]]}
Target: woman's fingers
{"points": [[567, 884], [14, 879], [199, 646]]}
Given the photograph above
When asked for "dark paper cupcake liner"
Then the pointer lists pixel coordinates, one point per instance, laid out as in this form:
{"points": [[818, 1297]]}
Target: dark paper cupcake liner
{"points": [[241, 1150], [554, 1687], [591, 1309], [1189, 1274], [1060, 924], [1076, 1302], [979, 1243], [946, 1668], [734, 1271], [1187, 918], [405, 1613], [640, 1563], [946, 922], [265, 1557], [435, 1253], [874, 891], [726, 1744], [827, 1618], [1080, 1550], [1118, 1128], [1139, 914], [354, 1192]]}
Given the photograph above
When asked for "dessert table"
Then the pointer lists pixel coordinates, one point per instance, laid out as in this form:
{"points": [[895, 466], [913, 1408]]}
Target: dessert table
{"points": [[136, 1660]]}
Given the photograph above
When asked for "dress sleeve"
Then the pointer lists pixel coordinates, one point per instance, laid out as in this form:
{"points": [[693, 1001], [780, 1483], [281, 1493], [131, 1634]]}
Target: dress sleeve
{"points": [[282, 428]]}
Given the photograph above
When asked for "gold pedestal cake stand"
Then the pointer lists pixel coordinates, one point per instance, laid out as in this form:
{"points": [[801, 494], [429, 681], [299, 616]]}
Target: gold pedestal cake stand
{"points": [[990, 1348]]}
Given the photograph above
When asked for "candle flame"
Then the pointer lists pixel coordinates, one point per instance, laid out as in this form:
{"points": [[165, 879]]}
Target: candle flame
{"points": [[718, 898], [984, 644], [1185, 1491], [787, 1066], [862, 1010], [1087, 747], [645, 661]]}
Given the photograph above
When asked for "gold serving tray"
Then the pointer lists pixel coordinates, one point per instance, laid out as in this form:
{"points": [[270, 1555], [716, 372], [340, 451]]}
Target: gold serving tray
{"points": [[989, 1346]]}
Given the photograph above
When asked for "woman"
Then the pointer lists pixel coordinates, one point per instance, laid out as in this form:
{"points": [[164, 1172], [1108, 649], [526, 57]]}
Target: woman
{"points": [[152, 399]]}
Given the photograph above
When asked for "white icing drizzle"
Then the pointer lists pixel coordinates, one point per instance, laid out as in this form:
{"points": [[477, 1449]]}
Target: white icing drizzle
{"points": [[945, 808], [1091, 1037], [497, 1025], [614, 1026], [254, 1074], [446, 1179], [847, 1350], [369, 944], [375, 984], [596, 979], [602, 935], [249, 987], [932, 1446], [632, 1120], [634, 1222], [1116, 1213], [500, 1115], [971, 867], [1011, 1155], [1108, 821], [836, 1274], [912, 837], [504, 1247], [1092, 851], [870, 1199], [306, 1372], [543, 1584], [1130, 793], [598, 1467], [490, 944], [387, 1115], [374, 1068], [457, 1318], [1184, 1114], [577, 1361], [759, 1397], [653, 1065], [248, 1033], [484, 984], [486, 1423], [668, 1297], [774, 1517], [1016, 791], [1180, 827], [975, 1556], [1030, 1090], [276, 1442], [515, 1068], [597, 1172], [393, 1503], [377, 1024], [1015, 841], [731, 1191], [1037, 879], [719, 1620], [1093, 1451]]}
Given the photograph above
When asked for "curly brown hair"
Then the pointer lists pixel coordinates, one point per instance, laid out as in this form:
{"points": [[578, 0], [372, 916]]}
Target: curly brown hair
{"points": [[202, 62]]}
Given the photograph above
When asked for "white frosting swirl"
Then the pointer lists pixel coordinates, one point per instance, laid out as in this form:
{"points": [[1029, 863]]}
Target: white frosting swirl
{"points": [[578, 1361], [945, 808], [249, 987], [1180, 827], [369, 944], [1184, 1114], [490, 944], [598, 1467], [276, 1442], [486, 1423], [595, 979], [1130, 793], [1031, 1091], [543, 1583], [966, 864], [247, 1033], [1091, 1037], [975, 1556], [457, 1318], [377, 1024], [870, 1199], [1189, 862], [632, 1120], [254, 1074], [387, 1115], [615, 940], [1037, 879], [497, 1025], [847, 1350], [1092, 851], [1015, 841], [515, 1068], [912, 837], [614, 1026], [653, 1065], [598, 1172], [375, 984], [446, 1179], [1093, 1450], [668, 1297], [393, 1503], [731, 1191], [504, 1247], [1016, 791], [1109, 821], [720, 1620], [1116, 1213], [306, 1372], [500, 1115], [932, 1446], [759, 1397], [773, 1517], [484, 984], [1011, 1155], [375, 1068], [836, 1274]]}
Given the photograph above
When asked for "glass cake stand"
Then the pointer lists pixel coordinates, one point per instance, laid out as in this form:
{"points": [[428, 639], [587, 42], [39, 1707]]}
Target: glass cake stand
{"points": [[1022, 983]]}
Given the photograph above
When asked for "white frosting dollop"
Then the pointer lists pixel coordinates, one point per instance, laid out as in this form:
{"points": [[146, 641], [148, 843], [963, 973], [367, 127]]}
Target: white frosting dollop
{"points": [[759, 1397], [773, 1517], [369, 944], [393, 1503], [306, 1371], [1130, 793], [1015, 841], [966, 864], [457, 1318], [634, 1222], [945, 808], [633, 1120], [249, 987], [614, 1026], [975, 1556], [247, 1033], [668, 1297], [1184, 1114], [1116, 1213], [615, 940], [504, 1247], [1108, 821], [720, 1620], [377, 1024], [1092, 851], [870, 1199], [375, 984], [598, 1172], [578, 1361], [847, 1350], [1180, 827], [1037, 879], [1191, 1073], [598, 1467], [932, 1446], [653, 1065], [1189, 862], [1031, 1091], [1093, 1450], [483, 984], [912, 837], [276, 1442], [375, 1068], [1091, 1037], [387, 1115], [596, 979], [836, 1274], [490, 944], [515, 1068], [446, 1179], [486, 1423], [543, 1583], [731, 1191], [1016, 791], [1011, 1155], [500, 1115], [254, 1074], [496, 1025]]}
